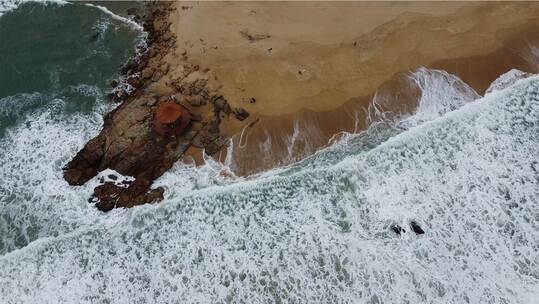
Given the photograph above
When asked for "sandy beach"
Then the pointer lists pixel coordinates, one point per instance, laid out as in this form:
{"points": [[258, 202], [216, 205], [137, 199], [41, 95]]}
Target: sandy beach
{"points": [[308, 70]]}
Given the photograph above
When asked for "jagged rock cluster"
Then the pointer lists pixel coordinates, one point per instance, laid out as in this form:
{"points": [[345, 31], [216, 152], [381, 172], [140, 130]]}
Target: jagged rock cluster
{"points": [[129, 142]]}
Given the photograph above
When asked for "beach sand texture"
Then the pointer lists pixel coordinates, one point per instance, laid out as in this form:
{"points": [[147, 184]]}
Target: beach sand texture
{"points": [[313, 67]]}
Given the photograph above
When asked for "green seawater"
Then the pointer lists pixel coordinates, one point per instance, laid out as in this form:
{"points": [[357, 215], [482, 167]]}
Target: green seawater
{"points": [[67, 52]]}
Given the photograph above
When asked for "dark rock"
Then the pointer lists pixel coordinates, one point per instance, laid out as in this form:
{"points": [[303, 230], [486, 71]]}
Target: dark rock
{"points": [[113, 177], [93, 200], [240, 113], [106, 196], [94, 37], [109, 196], [416, 228], [252, 100], [221, 105], [135, 82], [130, 65], [128, 145], [397, 229], [254, 37], [114, 83], [105, 205]]}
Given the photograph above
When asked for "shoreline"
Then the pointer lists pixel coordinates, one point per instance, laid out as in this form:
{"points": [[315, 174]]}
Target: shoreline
{"points": [[320, 81], [264, 131], [136, 141], [273, 122]]}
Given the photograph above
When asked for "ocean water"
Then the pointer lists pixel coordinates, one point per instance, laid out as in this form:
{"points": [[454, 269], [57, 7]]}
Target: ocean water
{"points": [[465, 167]]}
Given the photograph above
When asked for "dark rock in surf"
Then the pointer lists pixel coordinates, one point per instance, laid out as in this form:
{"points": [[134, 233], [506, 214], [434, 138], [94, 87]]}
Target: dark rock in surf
{"points": [[128, 145], [397, 229], [416, 228], [94, 37], [135, 82]]}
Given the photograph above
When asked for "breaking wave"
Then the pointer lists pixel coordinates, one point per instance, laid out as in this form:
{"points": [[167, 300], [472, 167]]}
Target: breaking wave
{"points": [[315, 234]]}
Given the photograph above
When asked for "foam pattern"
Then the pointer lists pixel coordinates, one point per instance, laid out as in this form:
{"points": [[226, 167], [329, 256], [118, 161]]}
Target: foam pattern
{"points": [[319, 234]]}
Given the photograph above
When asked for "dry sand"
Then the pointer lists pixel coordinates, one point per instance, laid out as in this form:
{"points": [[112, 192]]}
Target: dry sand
{"points": [[316, 65]]}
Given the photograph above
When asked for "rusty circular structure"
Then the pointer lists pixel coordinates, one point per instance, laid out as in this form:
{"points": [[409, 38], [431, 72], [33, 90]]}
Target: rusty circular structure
{"points": [[171, 119]]}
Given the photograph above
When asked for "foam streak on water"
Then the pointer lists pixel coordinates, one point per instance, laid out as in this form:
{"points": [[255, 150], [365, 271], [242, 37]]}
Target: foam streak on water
{"points": [[9, 5], [315, 235], [127, 21]]}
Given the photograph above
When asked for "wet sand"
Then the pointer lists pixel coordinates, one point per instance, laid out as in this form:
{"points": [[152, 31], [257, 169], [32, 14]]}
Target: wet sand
{"points": [[313, 67]]}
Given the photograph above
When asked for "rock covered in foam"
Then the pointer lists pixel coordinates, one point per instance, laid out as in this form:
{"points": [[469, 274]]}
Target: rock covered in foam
{"points": [[507, 79]]}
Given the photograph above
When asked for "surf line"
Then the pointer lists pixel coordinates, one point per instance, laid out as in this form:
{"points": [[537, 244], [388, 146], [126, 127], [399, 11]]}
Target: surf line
{"points": [[128, 21]]}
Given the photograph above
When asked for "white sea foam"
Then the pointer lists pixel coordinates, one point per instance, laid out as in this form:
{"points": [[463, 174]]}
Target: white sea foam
{"points": [[125, 20], [441, 92], [34, 200], [9, 5], [507, 79], [469, 178]]}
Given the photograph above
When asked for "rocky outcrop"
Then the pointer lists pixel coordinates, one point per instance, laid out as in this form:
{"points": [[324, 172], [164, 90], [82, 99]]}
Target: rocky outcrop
{"points": [[149, 131], [129, 145]]}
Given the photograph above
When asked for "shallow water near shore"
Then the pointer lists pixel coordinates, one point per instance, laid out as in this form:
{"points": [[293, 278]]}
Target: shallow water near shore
{"points": [[465, 167]]}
